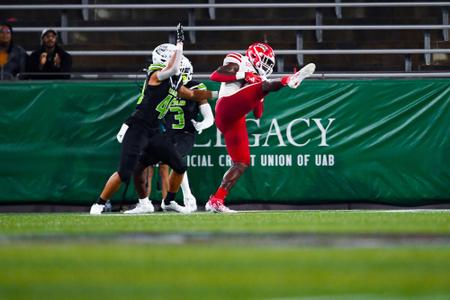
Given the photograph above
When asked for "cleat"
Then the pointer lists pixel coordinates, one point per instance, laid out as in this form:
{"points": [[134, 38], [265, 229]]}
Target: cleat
{"points": [[297, 78], [142, 207], [173, 206], [190, 203], [97, 209], [216, 205]]}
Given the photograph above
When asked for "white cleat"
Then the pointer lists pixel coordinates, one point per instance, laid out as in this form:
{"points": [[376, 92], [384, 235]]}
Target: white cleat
{"points": [[218, 207], [190, 203], [142, 207], [297, 78], [97, 209], [173, 206]]}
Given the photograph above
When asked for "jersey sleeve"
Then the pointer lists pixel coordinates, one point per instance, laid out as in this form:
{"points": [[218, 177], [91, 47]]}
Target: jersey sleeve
{"points": [[154, 67]]}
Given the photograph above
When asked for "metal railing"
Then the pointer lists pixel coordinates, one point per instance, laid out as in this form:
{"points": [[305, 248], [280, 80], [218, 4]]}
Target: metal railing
{"points": [[205, 76], [280, 53], [236, 28], [297, 28], [211, 5]]}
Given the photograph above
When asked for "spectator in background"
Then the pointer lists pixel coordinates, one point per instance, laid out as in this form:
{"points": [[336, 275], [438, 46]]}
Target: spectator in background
{"points": [[50, 58], [12, 57]]}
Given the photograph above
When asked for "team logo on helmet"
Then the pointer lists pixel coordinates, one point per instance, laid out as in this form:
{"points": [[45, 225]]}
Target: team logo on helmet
{"points": [[163, 53]]}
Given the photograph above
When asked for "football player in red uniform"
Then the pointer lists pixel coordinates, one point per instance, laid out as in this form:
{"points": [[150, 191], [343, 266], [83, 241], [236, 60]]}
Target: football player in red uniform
{"points": [[244, 86]]}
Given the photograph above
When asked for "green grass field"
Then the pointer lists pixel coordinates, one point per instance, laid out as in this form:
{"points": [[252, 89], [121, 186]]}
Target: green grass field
{"points": [[257, 255]]}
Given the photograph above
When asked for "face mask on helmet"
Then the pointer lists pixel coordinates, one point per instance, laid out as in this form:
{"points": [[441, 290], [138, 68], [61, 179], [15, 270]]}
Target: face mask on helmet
{"points": [[186, 70], [163, 53], [262, 58]]}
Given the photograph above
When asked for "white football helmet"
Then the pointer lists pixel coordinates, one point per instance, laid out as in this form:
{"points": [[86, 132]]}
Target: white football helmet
{"points": [[186, 69], [162, 53]]}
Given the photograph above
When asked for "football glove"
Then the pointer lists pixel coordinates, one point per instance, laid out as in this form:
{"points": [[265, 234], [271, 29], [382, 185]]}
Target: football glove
{"points": [[180, 33]]}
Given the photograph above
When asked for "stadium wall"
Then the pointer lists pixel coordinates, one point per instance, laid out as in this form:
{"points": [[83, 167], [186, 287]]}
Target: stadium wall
{"points": [[330, 141]]}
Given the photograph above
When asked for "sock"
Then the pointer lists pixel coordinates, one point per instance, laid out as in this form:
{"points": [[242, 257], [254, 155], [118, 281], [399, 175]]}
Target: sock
{"points": [[185, 187], [101, 201], [221, 193], [170, 197], [144, 200]]}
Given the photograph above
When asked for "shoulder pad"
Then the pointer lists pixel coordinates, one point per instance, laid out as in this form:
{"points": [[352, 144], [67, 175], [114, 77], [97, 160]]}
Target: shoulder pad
{"points": [[233, 57], [155, 67]]}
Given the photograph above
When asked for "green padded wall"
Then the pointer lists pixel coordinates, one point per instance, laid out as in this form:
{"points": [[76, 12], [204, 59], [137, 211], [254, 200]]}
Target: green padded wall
{"points": [[329, 141]]}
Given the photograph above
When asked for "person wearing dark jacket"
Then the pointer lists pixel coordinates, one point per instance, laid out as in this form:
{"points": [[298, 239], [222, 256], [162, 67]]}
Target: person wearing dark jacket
{"points": [[12, 57], [50, 61]]}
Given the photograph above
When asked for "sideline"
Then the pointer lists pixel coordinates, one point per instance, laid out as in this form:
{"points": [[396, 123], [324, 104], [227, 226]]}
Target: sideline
{"points": [[254, 207]]}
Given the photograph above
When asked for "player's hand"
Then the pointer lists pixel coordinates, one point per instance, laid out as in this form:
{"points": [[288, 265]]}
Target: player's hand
{"points": [[57, 60], [180, 33], [43, 58], [252, 78], [198, 126]]}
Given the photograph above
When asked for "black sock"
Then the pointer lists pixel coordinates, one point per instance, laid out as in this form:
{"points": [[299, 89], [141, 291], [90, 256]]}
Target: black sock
{"points": [[170, 197], [101, 201]]}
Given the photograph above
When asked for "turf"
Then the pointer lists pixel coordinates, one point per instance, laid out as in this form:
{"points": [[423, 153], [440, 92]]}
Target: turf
{"points": [[76, 256], [262, 222]]}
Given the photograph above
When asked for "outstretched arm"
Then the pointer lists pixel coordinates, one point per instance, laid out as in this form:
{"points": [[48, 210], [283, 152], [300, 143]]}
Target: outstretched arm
{"points": [[195, 95], [173, 66], [227, 73], [230, 72]]}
